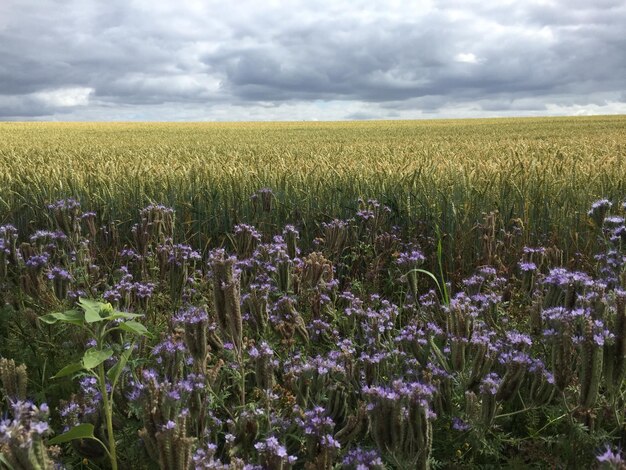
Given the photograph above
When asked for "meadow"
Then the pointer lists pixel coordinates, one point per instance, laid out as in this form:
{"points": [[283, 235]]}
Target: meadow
{"points": [[371, 295]]}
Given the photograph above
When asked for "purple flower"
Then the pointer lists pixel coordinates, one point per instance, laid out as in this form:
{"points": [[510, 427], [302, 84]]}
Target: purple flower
{"points": [[362, 459], [527, 266], [460, 425], [601, 204], [411, 258], [40, 427], [25, 423], [156, 208], [316, 422], [611, 457], [328, 441], [490, 384], [272, 447], [60, 274], [191, 316], [38, 261], [65, 204], [518, 339]]}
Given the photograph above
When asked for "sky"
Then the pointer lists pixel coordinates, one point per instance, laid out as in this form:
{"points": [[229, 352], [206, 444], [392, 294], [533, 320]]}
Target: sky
{"points": [[192, 60]]}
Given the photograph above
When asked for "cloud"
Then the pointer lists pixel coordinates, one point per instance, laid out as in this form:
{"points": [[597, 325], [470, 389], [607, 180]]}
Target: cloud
{"points": [[192, 59], [466, 57], [64, 97]]}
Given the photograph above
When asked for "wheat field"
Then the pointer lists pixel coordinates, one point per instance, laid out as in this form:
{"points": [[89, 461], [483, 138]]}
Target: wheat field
{"points": [[540, 172]]}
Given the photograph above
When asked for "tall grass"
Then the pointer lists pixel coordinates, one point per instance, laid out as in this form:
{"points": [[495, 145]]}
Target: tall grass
{"points": [[542, 173]]}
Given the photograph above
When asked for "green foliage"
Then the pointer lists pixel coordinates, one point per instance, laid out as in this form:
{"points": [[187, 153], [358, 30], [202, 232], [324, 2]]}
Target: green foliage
{"points": [[82, 431], [99, 319]]}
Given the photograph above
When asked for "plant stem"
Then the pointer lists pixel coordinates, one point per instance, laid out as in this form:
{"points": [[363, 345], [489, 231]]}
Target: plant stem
{"points": [[108, 412]]}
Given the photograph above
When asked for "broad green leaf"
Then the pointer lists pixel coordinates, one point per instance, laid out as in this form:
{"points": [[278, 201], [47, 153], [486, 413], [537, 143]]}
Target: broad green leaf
{"points": [[71, 316], [82, 431], [94, 357], [116, 370], [93, 308], [68, 370], [134, 327]]}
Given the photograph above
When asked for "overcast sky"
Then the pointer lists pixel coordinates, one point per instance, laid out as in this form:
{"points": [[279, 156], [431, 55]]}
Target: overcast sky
{"points": [[172, 60]]}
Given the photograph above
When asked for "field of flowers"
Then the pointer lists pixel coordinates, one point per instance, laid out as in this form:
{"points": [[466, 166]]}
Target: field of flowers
{"points": [[240, 327]]}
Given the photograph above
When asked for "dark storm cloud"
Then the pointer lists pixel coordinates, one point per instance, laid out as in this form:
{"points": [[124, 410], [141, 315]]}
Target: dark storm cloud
{"points": [[381, 59]]}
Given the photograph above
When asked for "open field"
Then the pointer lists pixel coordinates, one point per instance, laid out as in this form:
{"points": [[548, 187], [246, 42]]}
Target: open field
{"points": [[544, 172], [378, 295]]}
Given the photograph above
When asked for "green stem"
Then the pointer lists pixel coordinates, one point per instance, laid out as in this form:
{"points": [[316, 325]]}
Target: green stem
{"points": [[108, 412], [106, 449], [552, 421], [513, 413], [243, 380]]}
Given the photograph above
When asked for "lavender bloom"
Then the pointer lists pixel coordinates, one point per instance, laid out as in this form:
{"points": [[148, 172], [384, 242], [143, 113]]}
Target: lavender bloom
{"points": [[600, 204], [180, 253], [411, 258], [28, 421], [44, 236], [528, 250], [290, 229], [274, 451], [316, 422], [612, 458], [527, 266], [329, 442], [156, 208], [365, 214], [8, 231], [249, 230], [65, 204], [204, 459], [599, 210], [335, 224], [416, 392], [126, 292], [518, 339], [130, 254], [459, 425], [361, 459], [562, 277], [37, 261], [490, 384], [61, 274], [613, 221], [262, 199], [191, 316], [168, 348], [263, 350]]}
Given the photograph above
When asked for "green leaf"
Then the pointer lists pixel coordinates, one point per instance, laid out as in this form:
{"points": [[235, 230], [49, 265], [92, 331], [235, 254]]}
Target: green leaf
{"points": [[116, 370], [125, 315], [432, 276], [68, 370], [82, 431], [93, 308], [71, 316], [94, 357], [134, 327], [5, 462]]}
